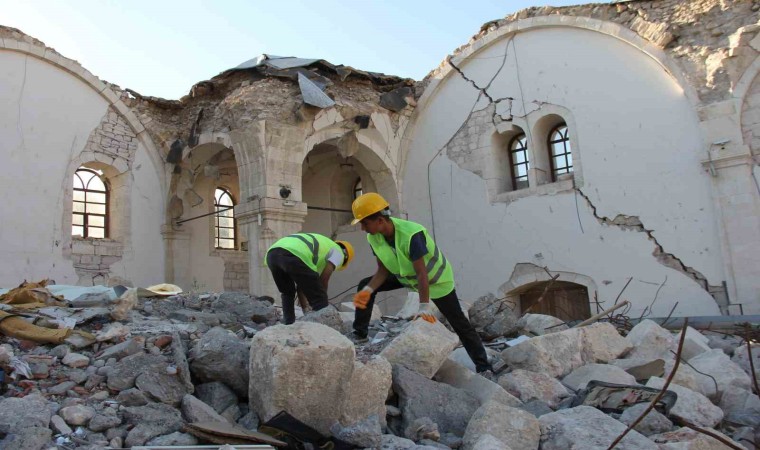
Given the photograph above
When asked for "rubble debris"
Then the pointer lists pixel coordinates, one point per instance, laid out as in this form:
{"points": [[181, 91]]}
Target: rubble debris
{"points": [[421, 347]]}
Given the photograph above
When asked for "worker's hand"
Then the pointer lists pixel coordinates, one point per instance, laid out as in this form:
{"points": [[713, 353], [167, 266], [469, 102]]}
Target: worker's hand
{"points": [[424, 313], [362, 297]]}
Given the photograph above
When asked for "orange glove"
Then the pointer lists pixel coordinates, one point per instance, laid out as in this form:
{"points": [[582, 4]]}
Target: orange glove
{"points": [[424, 313], [428, 318], [362, 297]]}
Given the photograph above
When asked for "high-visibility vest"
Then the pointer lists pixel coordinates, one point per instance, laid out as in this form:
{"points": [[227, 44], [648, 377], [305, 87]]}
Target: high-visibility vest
{"points": [[396, 260], [311, 248]]}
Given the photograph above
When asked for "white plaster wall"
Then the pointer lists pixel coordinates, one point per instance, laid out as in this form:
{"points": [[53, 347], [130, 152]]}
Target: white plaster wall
{"points": [[38, 136], [46, 116], [640, 145], [143, 258], [206, 270]]}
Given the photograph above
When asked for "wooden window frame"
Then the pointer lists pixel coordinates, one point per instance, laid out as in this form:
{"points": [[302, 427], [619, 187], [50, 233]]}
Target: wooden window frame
{"points": [[358, 188], [565, 141], [217, 226], [513, 164], [86, 215]]}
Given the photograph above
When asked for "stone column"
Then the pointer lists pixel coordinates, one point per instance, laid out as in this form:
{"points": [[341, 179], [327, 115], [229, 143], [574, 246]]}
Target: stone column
{"points": [[177, 245]]}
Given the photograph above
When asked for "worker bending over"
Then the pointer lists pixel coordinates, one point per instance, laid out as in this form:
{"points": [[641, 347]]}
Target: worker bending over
{"points": [[408, 258], [303, 263]]}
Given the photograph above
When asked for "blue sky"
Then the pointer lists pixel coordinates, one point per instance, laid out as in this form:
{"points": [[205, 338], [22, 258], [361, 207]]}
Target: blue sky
{"points": [[163, 47]]}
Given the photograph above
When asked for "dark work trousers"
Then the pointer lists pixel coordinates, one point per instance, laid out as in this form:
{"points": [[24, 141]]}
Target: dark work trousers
{"points": [[291, 274], [449, 307]]}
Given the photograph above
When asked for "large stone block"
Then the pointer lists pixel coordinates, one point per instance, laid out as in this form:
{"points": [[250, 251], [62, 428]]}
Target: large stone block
{"points": [[492, 317], [303, 369], [368, 391], [690, 405], [694, 343], [650, 341], [527, 386], [741, 357], [483, 389], [555, 354], [540, 324], [221, 356], [717, 369], [601, 342], [514, 427], [421, 347], [579, 378], [588, 428]]}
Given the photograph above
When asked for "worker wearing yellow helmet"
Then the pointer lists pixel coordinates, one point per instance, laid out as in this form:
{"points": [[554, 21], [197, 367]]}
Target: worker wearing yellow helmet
{"points": [[302, 264], [407, 257]]}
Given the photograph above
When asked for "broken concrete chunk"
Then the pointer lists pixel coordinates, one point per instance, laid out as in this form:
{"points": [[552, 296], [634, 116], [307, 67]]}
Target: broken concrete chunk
{"points": [[540, 324], [527, 386], [221, 356], [579, 378], [217, 395], [397, 99], [718, 369], [194, 410], [479, 387], [688, 439], [741, 357], [601, 342], [29, 411], [653, 423], [161, 387], [492, 317], [132, 397], [176, 439], [123, 374], [555, 354], [421, 347], [694, 343], [641, 369], [685, 376], [422, 428], [650, 341], [518, 429], [76, 360], [391, 442], [28, 438], [103, 422], [124, 349], [302, 369], [690, 405], [365, 433], [368, 391], [488, 442], [77, 415], [740, 407], [564, 429], [326, 316], [244, 307], [155, 419], [449, 407]]}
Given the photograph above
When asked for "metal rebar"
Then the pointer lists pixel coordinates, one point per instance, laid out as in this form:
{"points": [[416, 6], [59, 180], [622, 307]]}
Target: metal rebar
{"points": [[180, 222]]}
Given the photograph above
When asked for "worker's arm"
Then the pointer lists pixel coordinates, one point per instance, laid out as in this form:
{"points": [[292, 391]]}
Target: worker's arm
{"points": [[379, 277], [324, 279], [302, 300], [422, 280]]}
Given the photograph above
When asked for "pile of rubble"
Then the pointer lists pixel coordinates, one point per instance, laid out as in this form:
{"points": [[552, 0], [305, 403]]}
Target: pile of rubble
{"points": [[179, 364]]}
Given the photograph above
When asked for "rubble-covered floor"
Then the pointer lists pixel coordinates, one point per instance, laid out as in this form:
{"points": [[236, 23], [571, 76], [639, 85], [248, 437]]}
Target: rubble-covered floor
{"points": [[222, 358]]}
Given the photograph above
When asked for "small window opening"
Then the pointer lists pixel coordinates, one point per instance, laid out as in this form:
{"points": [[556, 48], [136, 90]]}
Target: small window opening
{"points": [[89, 217], [224, 220], [560, 153], [358, 190], [518, 161]]}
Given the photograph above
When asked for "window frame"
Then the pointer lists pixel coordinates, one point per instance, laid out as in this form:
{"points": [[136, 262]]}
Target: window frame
{"points": [[358, 188], [217, 215], [567, 147], [513, 164], [85, 215]]}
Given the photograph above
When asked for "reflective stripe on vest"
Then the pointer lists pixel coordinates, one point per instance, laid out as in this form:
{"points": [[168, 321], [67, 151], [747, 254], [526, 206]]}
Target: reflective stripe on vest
{"points": [[311, 248], [440, 273]]}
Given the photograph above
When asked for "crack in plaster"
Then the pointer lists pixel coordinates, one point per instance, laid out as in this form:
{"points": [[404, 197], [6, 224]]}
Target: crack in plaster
{"points": [[633, 223], [20, 98]]}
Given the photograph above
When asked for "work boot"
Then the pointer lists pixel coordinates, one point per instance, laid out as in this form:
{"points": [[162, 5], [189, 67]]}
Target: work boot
{"points": [[488, 375], [357, 338]]}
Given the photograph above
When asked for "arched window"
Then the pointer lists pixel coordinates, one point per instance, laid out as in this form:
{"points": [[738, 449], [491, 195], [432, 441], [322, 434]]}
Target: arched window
{"points": [[518, 161], [90, 209], [224, 220], [358, 190], [560, 153]]}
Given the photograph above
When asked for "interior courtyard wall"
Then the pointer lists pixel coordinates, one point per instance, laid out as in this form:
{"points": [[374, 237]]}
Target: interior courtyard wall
{"points": [[636, 132]]}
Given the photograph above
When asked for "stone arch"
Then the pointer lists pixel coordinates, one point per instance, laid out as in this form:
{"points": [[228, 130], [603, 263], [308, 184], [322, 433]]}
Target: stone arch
{"points": [[33, 48], [748, 87]]}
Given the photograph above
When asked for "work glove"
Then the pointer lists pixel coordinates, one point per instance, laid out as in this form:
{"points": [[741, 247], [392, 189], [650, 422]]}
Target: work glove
{"points": [[424, 312], [362, 297]]}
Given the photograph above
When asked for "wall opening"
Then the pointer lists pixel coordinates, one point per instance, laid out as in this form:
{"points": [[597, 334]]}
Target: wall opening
{"points": [[564, 300]]}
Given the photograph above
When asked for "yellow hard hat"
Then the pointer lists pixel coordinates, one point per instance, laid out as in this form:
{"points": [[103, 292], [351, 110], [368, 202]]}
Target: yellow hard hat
{"points": [[349, 253], [366, 205]]}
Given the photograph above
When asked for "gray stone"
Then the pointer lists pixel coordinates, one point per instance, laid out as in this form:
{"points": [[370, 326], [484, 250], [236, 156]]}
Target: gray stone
{"points": [[492, 318], [601, 342], [232, 413], [488, 442], [694, 343], [216, 394], [641, 369], [124, 373], [94, 381], [75, 360], [365, 433], [174, 439], [59, 425], [421, 347], [685, 376], [29, 411], [721, 341], [518, 429], [690, 405], [192, 316], [59, 351], [161, 387], [368, 390], [78, 376], [326, 316], [536, 407], [451, 440], [555, 354], [540, 324], [132, 397], [250, 421], [716, 367], [244, 307], [28, 438], [688, 439], [653, 423], [565, 429], [61, 388], [123, 349], [740, 406], [77, 415], [650, 341], [288, 362], [102, 422], [527, 386], [579, 378], [179, 355], [476, 385], [422, 428], [449, 407], [391, 442], [222, 356], [194, 410], [149, 421]]}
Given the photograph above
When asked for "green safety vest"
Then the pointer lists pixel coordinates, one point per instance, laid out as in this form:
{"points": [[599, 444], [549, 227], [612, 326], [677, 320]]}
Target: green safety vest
{"points": [[396, 260], [311, 248]]}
